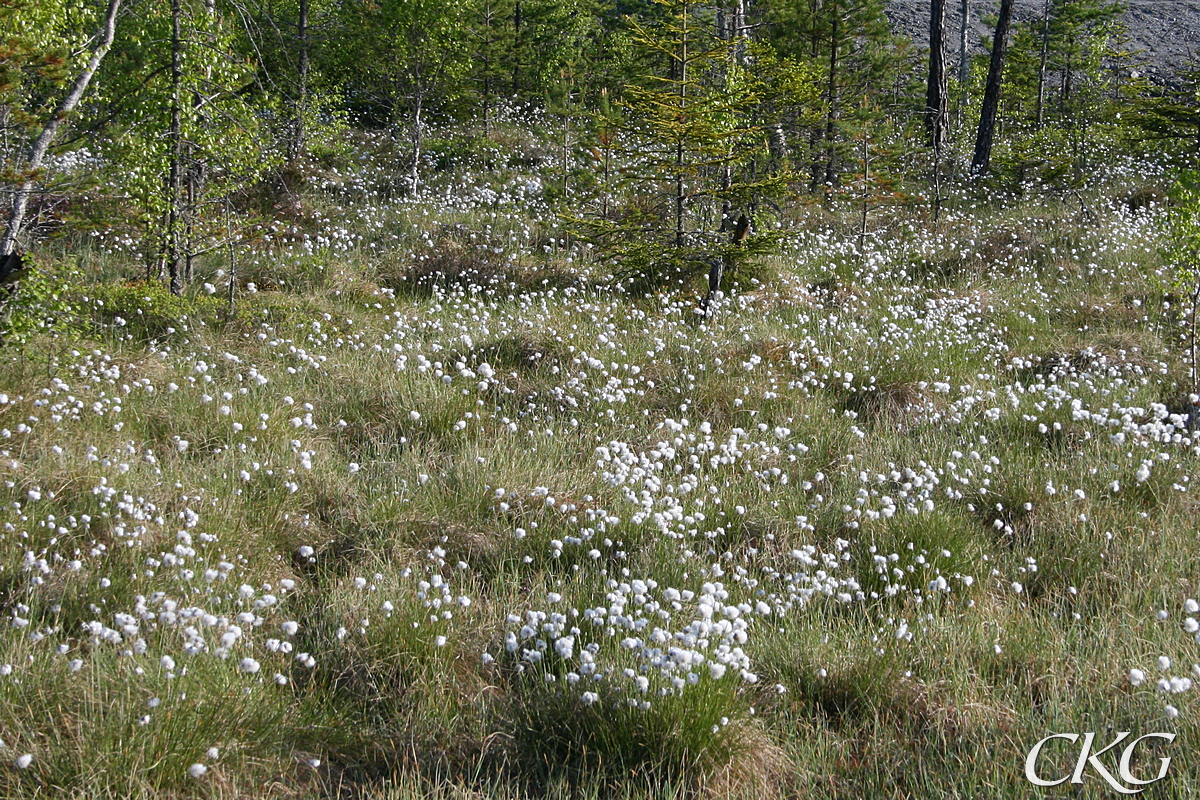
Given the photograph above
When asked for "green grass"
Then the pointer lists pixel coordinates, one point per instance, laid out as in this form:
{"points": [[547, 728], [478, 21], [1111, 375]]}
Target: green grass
{"points": [[868, 484]]}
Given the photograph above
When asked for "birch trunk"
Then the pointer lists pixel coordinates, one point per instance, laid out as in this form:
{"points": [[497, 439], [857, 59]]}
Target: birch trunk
{"points": [[41, 145]]}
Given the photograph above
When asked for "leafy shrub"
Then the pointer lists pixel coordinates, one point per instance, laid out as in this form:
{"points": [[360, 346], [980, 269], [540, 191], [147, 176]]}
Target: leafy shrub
{"points": [[144, 310], [1184, 251], [40, 301]]}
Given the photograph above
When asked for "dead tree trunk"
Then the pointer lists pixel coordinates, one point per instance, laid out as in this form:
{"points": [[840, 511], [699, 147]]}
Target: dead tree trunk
{"points": [[414, 173], [831, 118], [991, 94], [296, 151], [964, 64], [935, 88], [175, 179], [1045, 54], [716, 272]]}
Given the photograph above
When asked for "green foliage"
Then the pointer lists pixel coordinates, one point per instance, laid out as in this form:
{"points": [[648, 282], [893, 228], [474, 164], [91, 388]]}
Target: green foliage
{"points": [[40, 45], [1083, 41], [61, 299], [144, 310], [1166, 121], [849, 52], [42, 301], [1184, 254], [227, 145], [1185, 222], [642, 268], [401, 55], [694, 129], [695, 137]]}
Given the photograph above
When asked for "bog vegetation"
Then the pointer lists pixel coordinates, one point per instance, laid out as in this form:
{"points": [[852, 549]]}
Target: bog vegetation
{"points": [[390, 405]]}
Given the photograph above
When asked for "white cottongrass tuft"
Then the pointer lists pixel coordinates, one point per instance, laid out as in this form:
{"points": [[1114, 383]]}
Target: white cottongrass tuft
{"points": [[565, 647], [197, 770]]}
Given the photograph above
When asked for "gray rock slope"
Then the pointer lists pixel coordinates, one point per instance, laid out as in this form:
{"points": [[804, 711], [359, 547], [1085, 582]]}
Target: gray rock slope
{"points": [[1165, 34]]}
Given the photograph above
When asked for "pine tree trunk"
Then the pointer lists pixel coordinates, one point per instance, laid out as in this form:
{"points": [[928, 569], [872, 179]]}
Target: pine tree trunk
{"points": [[516, 73], [175, 179], [487, 70], [865, 196], [680, 186], [299, 134], [964, 64], [832, 117], [739, 32], [814, 133], [991, 95], [232, 256], [1041, 80], [566, 143], [935, 89], [1065, 97]]}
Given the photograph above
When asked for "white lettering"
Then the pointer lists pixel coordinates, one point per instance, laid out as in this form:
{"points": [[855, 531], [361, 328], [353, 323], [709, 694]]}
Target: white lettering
{"points": [[1123, 767], [1031, 760], [1094, 760], [1089, 757]]}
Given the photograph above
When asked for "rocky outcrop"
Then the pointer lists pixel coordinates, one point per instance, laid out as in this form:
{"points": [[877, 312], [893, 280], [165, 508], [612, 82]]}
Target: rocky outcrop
{"points": [[1164, 34]]}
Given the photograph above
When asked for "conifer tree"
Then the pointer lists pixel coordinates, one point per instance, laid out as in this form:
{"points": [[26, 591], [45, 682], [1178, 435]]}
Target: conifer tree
{"points": [[850, 42], [685, 129]]}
